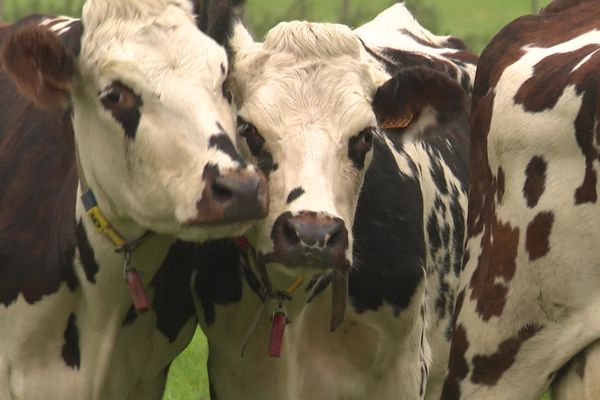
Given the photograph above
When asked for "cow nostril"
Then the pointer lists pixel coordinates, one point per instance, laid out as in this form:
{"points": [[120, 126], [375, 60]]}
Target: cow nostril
{"points": [[336, 238], [221, 192], [290, 234]]}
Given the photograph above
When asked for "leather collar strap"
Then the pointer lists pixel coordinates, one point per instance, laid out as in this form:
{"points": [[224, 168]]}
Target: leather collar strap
{"points": [[278, 320], [131, 275], [339, 287]]}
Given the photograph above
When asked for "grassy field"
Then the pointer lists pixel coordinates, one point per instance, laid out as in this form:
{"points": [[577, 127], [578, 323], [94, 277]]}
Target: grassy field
{"points": [[187, 377], [475, 21]]}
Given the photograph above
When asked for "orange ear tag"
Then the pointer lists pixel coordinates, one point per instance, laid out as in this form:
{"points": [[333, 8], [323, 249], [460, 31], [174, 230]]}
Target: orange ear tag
{"points": [[400, 122]]}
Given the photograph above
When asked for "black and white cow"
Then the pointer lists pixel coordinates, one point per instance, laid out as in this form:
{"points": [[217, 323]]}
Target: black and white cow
{"points": [[134, 109], [527, 316], [326, 112]]}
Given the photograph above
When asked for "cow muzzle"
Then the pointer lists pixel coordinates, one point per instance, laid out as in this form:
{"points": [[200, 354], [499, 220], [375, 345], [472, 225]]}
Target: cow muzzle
{"points": [[310, 239], [237, 196]]}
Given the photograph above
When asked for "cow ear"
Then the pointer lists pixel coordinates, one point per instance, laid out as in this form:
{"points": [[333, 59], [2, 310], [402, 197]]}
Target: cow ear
{"points": [[216, 17], [41, 64], [240, 39], [408, 96], [242, 61]]}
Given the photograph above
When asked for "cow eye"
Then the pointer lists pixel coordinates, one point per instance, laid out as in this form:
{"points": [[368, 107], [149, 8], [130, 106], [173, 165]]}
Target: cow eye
{"points": [[124, 105], [226, 92], [117, 96], [253, 139], [359, 146]]}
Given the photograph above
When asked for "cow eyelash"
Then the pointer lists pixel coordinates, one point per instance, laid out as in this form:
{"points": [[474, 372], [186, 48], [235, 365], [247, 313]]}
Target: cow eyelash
{"points": [[360, 145], [124, 105], [226, 92], [253, 139], [119, 96]]}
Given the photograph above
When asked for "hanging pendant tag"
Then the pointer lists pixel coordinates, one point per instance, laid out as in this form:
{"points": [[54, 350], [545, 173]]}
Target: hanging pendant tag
{"points": [[339, 298], [242, 243], [136, 291], [277, 329]]}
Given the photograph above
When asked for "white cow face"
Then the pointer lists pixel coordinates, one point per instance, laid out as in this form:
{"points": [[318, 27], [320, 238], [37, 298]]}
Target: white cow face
{"points": [[309, 109], [153, 124], [309, 124]]}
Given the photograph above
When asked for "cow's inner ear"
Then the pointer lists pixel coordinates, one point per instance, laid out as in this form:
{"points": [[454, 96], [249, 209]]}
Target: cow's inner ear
{"points": [[401, 100]]}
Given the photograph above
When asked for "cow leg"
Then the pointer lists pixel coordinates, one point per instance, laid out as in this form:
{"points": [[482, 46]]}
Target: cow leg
{"points": [[579, 380]]}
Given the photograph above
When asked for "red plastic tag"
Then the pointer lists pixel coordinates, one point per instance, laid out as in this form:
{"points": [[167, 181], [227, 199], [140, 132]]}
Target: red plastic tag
{"points": [[242, 243], [136, 290], [277, 329]]}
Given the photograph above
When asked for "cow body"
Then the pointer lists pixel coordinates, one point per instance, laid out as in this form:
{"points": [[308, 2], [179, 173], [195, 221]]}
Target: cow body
{"points": [[67, 321], [407, 227], [527, 301]]}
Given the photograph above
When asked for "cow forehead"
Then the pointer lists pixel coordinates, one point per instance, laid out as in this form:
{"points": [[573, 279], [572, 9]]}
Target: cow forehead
{"points": [[147, 42], [305, 65], [331, 96]]}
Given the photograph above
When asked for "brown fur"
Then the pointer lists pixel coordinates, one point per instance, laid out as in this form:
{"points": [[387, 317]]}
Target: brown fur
{"points": [[40, 66], [561, 21], [411, 90], [561, 5]]}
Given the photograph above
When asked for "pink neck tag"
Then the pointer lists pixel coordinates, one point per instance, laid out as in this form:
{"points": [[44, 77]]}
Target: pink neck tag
{"points": [[277, 329], [136, 291]]}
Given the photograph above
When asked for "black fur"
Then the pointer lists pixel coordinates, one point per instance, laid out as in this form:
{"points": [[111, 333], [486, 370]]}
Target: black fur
{"points": [[71, 353], [389, 247]]}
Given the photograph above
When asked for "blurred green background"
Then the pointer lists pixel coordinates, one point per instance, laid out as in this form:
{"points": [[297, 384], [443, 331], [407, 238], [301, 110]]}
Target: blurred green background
{"points": [[475, 21]]}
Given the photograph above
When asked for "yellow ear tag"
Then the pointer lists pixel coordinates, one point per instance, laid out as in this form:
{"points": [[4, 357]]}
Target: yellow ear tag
{"points": [[400, 122]]}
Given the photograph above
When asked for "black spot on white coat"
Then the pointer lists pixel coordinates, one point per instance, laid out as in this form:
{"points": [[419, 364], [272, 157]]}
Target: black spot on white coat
{"points": [[71, 353], [124, 105], [222, 142], [388, 237], [219, 277], [86, 254], [295, 194]]}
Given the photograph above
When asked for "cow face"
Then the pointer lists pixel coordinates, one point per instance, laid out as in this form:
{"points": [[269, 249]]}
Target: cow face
{"points": [[309, 111], [152, 122]]}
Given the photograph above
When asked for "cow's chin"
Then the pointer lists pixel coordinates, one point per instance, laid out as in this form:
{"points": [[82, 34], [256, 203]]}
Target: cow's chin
{"points": [[307, 269], [202, 233], [294, 271]]}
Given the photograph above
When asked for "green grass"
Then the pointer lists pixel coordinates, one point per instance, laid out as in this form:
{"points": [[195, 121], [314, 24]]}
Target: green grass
{"points": [[188, 379], [478, 21], [475, 21]]}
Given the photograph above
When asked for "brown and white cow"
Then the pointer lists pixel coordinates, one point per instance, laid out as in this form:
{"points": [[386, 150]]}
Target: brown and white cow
{"points": [[134, 91], [527, 300], [316, 102]]}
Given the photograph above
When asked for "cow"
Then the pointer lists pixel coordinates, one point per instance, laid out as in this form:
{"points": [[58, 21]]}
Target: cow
{"points": [[116, 137], [364, 138], [526, 315]]}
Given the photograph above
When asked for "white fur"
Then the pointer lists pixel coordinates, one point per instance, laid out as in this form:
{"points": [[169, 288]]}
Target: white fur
{"points": [[388, 28], [307, 111], [154, 48]]}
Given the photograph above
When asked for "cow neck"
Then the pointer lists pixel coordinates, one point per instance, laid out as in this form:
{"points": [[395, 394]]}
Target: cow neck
{"points": [[131, 275], [256, 267]]}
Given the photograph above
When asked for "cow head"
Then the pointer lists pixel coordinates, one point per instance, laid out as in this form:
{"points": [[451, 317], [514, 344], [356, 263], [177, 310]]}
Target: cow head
{"points": [[310, 108], [152, 121]]}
